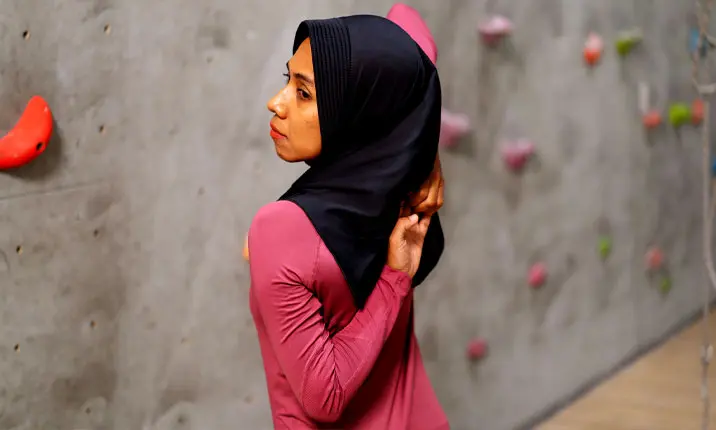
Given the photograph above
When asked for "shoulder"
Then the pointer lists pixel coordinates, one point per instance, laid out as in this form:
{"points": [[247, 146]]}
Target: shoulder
{"points": [[282, 237], [281, 216]]}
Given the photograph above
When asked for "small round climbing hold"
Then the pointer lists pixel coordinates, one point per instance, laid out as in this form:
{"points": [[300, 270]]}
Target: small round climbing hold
{"points": [[537, 275], [654, 258], [665, 285], [453, 126], [697, 111], [627, 40], [698, 44], [477, 349], [679, 114], [495, 29], [515, 154], [652, 119], [593, 48], [605, 247]]}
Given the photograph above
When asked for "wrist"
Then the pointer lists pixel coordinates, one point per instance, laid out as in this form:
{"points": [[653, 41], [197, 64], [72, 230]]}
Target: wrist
{"points": [[395, 269]]}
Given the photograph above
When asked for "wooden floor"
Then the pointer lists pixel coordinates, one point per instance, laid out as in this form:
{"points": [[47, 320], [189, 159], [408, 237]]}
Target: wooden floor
{"points": [[660, 391]]}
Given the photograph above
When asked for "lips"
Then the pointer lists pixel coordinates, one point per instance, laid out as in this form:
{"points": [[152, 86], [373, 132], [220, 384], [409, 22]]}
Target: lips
{"points": [[276, 134]]}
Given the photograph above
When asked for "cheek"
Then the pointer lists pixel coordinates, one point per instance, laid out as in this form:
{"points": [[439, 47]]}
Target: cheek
{"points": [[311, 136]]}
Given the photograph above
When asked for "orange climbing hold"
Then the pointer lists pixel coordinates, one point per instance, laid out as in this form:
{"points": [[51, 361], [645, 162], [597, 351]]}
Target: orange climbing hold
{"points": [[593, 48], [652, 119], [697, 111], [29, 137], [477, 349]]}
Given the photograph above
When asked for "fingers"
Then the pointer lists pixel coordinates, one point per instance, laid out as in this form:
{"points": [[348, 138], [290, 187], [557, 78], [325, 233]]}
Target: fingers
{"points": [[423, 225], [441, 194], [246, 248], [418, 198], [432, 201]]}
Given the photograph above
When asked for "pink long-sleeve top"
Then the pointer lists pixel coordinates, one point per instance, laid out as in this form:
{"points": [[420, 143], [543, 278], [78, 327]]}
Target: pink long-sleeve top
{"points": [[329, 365]]}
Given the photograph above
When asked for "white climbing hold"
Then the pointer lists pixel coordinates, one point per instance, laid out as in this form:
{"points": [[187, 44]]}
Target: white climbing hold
{"points": [[644, 102]]}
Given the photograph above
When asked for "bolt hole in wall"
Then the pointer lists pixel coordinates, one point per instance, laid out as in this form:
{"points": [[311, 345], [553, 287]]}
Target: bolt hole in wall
{"points": [[26, 34], [101, 129], [18, 249], [107, 29], [17, 347]]}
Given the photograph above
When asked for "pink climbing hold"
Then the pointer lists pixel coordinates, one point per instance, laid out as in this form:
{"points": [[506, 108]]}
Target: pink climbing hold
{"points": [[477, 349], [537, 275], [516, 154], [495, 29], [452, 127], [593, 48], [654, 258]]}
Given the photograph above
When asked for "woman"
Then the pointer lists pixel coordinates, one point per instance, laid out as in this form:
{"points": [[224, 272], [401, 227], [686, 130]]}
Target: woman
{"points": [[333, 261]]}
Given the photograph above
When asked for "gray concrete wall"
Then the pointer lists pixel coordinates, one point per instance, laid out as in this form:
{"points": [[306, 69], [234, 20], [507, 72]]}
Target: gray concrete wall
{"points": [[126, 305]]}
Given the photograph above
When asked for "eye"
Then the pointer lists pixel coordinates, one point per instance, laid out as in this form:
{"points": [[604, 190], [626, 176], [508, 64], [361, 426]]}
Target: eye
{"points": [[287, 76], [303, 94]]}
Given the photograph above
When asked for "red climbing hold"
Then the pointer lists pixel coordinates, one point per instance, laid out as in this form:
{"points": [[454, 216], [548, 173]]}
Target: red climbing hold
{"points": [[697, 111], [516, 154], [537, 275], [654, 258], [495, 29], [29, 137], [652, 119], [593, 48], [477, 349], [452, 127]]}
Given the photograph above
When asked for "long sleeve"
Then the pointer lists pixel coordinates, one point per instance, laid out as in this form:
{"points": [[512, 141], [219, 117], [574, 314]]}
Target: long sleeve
{"points": [[324, 371]]}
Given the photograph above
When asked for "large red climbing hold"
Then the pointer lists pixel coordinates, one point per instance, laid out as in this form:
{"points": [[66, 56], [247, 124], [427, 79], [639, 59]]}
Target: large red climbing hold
{"points": [[477, 349], [29, 137], [452, 127], [537, 275], [495, 29]]}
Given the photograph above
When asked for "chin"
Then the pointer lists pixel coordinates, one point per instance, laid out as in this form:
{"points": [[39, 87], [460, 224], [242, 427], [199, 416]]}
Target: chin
{"points": [[289, 158]]}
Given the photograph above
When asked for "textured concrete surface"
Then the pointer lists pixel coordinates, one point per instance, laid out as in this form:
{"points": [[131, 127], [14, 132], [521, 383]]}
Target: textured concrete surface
{"points": [[123, 290]]}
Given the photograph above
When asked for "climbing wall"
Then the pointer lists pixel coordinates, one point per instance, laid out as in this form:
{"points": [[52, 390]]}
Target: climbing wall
{"points": [[124, 295]]}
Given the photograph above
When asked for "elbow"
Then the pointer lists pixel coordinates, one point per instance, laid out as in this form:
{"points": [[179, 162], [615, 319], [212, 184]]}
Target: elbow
{"points": [[324, 409]]}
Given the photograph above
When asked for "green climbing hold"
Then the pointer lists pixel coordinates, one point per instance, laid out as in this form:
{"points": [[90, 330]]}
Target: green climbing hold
{"points": [[665, 285], [679, 114], [605, 247], [627, 40]]}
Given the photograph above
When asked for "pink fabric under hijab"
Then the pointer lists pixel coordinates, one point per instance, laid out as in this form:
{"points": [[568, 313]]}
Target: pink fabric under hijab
{"points": [[329, 365], [410, 20]]}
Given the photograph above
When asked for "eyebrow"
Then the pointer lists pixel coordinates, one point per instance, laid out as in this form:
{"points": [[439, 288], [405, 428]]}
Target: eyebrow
{"points": [[301, 76]]}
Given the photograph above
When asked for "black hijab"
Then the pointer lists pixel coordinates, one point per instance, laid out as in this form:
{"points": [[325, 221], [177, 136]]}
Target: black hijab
{"points": [[379, 103]]}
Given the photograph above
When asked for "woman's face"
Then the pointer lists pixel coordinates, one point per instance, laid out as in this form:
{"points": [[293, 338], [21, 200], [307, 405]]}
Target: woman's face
{"points": [[294, 126]]}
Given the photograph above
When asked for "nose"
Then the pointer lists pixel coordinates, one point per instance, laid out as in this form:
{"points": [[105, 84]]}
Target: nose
{"points": [[277, 105]]}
